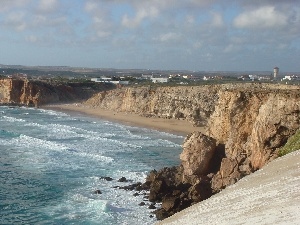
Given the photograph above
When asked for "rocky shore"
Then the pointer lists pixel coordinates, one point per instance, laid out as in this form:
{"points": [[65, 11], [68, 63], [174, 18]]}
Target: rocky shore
{"points": [[246, 124], [244, 132]]}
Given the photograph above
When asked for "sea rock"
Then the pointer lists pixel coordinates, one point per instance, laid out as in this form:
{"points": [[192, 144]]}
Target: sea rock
{"points": [[152, 206], [163, 182], [122, 179], [97, 192], [106, 178]]}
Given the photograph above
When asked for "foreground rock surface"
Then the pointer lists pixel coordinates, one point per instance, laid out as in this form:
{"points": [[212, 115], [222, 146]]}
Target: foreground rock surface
{"points": [[268, 196]]}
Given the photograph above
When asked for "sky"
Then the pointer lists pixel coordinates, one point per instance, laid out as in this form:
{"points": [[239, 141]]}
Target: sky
{"points": [[196, 35]]}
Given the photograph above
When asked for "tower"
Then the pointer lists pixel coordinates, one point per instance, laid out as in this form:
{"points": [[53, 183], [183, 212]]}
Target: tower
{"points": [[276, 71]]}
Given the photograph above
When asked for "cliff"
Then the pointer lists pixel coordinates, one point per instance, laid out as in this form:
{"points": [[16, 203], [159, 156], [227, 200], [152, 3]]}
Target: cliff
{"points": [[250, 120], [246, 125], [35, 93], [252, 124], [194, 104]]}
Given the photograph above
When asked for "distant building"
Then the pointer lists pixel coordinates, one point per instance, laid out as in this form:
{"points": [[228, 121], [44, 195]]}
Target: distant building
{"points": [[160, 80], [291, 78], [123, 82], [276, 72], [102, 79], [253, 77], [109, 80], [147, 76]]}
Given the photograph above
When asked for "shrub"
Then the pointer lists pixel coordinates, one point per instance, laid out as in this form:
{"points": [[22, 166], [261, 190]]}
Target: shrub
{"points": [[292, 144]]}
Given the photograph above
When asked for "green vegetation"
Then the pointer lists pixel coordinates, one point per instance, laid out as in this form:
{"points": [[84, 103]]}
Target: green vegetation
{"points": [[292, 144]]}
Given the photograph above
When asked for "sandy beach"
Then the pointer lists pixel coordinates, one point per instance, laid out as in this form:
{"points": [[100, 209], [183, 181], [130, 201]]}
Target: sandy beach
{"points": [[180, 127]]}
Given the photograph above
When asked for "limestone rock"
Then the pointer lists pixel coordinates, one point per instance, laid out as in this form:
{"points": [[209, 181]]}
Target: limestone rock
{"points": [[254, 123], [35, 93], [198, 150]]}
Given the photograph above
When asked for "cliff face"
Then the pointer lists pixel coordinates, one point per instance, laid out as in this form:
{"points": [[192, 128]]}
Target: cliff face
{"points": [[246, 125], [255, 123], [25, 92], [250, 120], [194, 104]]}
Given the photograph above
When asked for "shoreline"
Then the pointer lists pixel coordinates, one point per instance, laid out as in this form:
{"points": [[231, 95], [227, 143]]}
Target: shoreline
{"points": [[173, 126]]}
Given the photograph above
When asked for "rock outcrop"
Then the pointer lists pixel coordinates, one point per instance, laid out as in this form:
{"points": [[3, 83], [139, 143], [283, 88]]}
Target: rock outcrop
{"points": [[198, 150], [244, 132], [252, 125], [35, 93]]}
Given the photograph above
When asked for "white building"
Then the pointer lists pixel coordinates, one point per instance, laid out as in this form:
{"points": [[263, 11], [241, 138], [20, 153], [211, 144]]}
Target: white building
{"points": [[109, 80], [102, 79], [159, 80], [291, 77]]}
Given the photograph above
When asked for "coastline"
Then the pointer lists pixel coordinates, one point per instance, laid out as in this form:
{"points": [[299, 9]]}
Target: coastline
{"points": [[174, 126]]}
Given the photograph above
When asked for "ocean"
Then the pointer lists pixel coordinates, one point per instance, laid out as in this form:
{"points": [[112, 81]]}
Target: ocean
{"points": [[52, 162]]}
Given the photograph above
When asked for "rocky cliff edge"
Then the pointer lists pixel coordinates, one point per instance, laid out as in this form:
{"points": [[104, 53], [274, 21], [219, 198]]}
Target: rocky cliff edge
{"points": [[246, 125]]}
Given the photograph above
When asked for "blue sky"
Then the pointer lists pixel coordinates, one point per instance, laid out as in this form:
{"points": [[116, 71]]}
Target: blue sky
{"points": [[211, 35]]}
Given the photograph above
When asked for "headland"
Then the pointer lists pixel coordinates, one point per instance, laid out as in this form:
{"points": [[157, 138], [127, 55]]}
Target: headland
{"points": [[233, 129]]}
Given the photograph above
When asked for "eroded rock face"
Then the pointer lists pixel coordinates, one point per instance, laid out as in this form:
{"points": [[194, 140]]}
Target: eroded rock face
{"points": [[244, 133], [194, 104], [35, 93], [252, 124], [198, 150]]}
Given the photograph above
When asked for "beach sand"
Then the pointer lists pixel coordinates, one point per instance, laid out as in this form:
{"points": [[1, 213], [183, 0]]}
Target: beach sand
{"points": [[271, 195], [174, 126]]}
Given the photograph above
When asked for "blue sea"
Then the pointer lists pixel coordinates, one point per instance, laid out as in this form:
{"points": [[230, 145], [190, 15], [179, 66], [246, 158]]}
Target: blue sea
{"points": [[51, 164]]}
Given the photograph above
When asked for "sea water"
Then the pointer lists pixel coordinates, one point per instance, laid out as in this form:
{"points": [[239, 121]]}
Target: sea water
{"points": [[51, 163]]}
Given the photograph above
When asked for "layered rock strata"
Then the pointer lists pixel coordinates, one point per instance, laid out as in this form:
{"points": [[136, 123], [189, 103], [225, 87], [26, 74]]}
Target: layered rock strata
{"points": [[194, 104], [35, 93], [244, 132]]}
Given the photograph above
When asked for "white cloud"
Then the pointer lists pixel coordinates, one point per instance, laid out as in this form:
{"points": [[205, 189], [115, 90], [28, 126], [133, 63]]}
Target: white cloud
{"points": [[168, 37], [141, 14], [231, 48], [198, 44], [7, 5], [16, 20], [261, 18], [217, 20], [101, 26], [31, 38], [48, 6]]}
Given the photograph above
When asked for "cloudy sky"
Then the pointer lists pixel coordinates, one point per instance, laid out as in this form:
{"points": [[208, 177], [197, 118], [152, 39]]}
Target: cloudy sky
{"points": [[228, 35]]}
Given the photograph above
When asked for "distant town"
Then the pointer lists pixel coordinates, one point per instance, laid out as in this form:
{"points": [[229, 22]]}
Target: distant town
{"points": [[143, 76]]}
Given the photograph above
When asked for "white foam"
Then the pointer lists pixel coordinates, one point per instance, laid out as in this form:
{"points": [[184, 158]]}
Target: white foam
{"points": [[31, 142], [95, 157], [12, 119], [53, 113]]}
